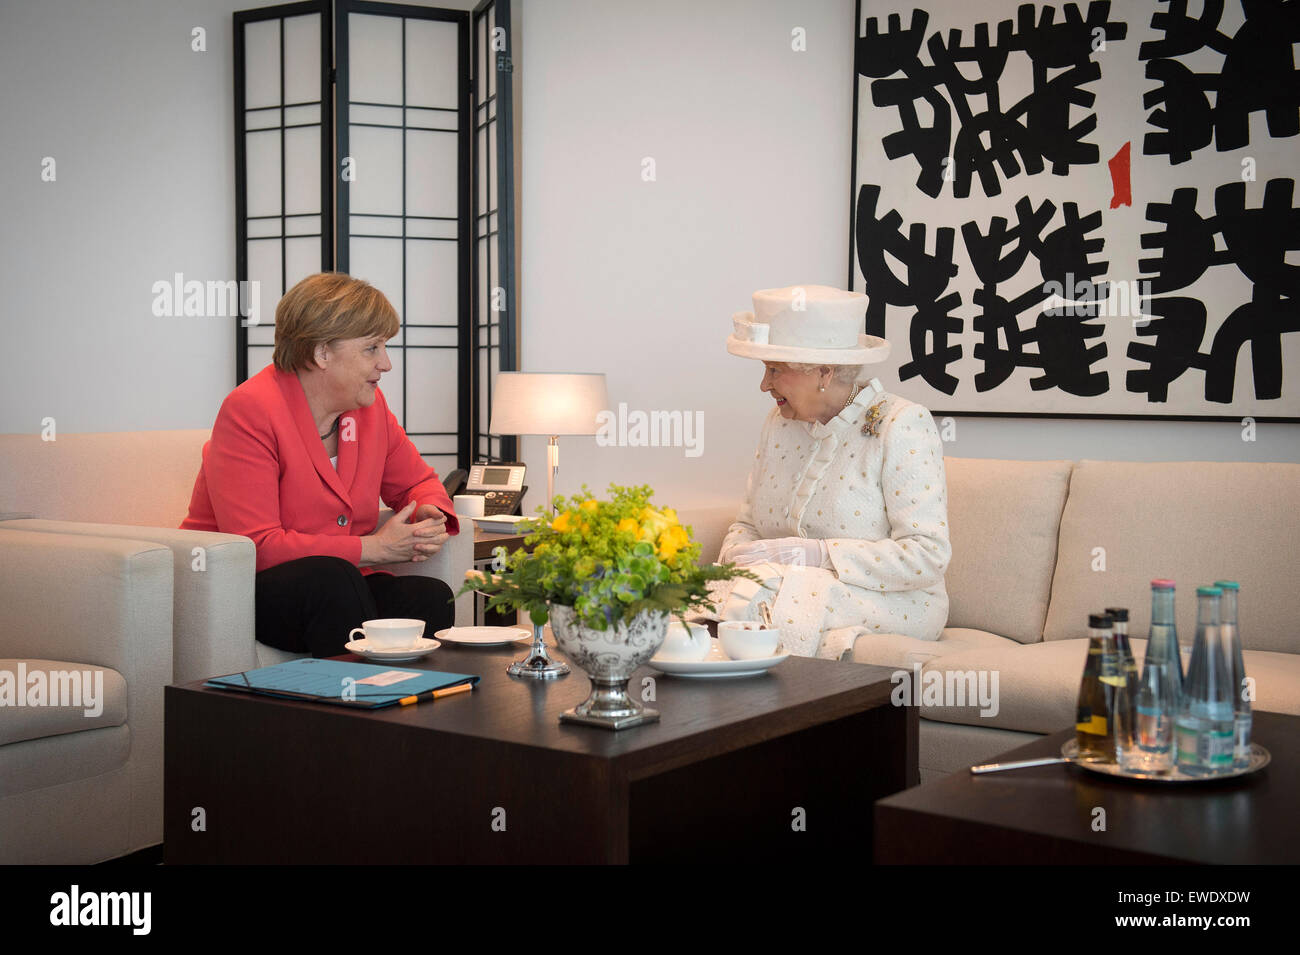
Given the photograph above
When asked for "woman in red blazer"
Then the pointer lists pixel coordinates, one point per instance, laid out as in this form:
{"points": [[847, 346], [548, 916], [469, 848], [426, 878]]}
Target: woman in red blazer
{"points": [[300, 456]]}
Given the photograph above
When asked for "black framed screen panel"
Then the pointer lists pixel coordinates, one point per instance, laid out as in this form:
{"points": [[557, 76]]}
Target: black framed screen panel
{"points": [[403, 213], [284, 134], [492, 337]]}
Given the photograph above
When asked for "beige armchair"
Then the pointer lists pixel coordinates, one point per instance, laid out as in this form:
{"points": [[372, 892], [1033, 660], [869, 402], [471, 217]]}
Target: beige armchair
{"points": [[85, 651]]}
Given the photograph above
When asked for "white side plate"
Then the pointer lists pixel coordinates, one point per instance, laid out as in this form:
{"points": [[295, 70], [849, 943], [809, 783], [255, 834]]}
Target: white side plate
{"points": [[484, 636]]}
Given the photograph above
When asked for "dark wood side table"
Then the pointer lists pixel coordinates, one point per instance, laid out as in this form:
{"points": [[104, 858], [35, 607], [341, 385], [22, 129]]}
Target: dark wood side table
{"points": [[1045, 814], [722, 777], [485, 542]]}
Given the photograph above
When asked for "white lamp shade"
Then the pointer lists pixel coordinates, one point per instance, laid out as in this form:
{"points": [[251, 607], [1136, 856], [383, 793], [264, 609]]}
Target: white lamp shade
{"points": [[542, 403]]}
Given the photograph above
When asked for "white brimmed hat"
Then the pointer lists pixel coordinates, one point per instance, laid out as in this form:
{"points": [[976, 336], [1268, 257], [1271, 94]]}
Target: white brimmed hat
{"points": [[806, 323]]}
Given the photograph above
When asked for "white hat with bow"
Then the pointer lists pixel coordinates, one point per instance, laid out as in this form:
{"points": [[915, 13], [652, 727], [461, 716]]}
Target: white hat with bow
{"points": [[815, 324]]}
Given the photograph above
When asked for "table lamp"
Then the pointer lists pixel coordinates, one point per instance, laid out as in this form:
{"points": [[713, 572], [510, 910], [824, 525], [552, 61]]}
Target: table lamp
{"points": [[547, 403]]}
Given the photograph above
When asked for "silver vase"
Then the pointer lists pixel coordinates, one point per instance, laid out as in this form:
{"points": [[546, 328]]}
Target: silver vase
{"points": [[609, 658]]}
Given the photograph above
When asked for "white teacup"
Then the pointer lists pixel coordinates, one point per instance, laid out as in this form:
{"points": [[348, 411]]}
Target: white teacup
{"points": [[747, 640], [390, 633], [686, 643]]}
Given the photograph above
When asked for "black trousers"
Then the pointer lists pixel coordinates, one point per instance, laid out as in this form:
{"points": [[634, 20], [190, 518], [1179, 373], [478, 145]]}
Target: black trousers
{"points": [[308, 605]]}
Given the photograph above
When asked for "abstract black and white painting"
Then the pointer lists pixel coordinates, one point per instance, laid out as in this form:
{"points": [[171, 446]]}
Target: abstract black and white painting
{"points": [[1082, 209]]}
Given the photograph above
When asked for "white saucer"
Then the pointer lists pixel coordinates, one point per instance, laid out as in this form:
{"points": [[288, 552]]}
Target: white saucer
{"points": [[484, 636], [717, 665], [422, 646]]}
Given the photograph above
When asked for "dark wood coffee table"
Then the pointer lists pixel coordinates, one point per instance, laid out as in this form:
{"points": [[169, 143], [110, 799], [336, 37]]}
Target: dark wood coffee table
{"points": [[1045, 814], [721, 777]]}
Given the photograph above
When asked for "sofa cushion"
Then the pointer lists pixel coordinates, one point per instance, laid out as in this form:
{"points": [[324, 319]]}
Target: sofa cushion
{"points": [[137, 477], [1005, 516], [1277, 680], [1035, 687], [36, 764], [709, 525], [951, 747], [73, 697], [1193, 522], [1038, 685], [896, 650]]}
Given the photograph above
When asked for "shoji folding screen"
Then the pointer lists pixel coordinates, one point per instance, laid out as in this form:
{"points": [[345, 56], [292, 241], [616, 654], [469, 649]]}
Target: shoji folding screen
{"points": [[364, 144], [494, 222]]}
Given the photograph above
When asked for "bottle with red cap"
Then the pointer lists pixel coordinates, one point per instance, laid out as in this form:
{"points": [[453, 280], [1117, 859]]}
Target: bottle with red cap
{"points": [[1158, 696]]}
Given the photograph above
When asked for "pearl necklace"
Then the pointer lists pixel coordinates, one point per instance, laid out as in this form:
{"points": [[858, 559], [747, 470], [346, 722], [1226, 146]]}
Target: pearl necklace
{"points": [[852, 394]]}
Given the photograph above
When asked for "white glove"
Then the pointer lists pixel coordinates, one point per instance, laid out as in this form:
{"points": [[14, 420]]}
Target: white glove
{"points": [[799, 551]]}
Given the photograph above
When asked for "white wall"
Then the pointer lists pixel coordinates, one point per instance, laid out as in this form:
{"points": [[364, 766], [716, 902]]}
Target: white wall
{"points": [[639, 279], [141, 128]]}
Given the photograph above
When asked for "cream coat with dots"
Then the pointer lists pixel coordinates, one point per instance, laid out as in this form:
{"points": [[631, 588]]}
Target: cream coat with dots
{"points": [[880, 503]]}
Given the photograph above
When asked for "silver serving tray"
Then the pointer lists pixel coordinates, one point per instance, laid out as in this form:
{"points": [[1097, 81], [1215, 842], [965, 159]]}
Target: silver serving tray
{"points": [[1259, 758]]}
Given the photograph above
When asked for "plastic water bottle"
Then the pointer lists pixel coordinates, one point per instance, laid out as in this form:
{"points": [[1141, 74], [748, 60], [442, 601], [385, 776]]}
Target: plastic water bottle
{"points": [[1159, 691], [1241, 697], [1205, 727]]}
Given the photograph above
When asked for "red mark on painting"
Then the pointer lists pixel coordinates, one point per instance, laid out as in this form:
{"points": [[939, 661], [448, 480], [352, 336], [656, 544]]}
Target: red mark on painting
{"points": [[1119, 178]]}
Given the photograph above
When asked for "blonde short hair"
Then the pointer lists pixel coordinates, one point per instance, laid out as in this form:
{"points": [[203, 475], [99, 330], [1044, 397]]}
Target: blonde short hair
{"points": [[327, 307]]}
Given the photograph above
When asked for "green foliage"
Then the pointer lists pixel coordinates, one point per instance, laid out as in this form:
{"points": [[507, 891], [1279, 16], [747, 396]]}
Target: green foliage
{"points": [[609, 560]]}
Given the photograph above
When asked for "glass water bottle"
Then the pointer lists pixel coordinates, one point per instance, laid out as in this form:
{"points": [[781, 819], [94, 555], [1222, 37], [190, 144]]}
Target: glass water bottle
{"points": [[1241, 717], [1101, 672], [1159, 691], [1204, 734], [1125, 721]]}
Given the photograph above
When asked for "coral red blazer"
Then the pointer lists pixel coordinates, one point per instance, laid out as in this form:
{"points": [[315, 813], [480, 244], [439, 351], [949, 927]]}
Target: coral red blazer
{"points": [[265, 474]]}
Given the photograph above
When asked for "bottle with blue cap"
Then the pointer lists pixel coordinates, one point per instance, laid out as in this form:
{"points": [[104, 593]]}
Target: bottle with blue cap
{"points": [[1204, 736], [1242, 694]]}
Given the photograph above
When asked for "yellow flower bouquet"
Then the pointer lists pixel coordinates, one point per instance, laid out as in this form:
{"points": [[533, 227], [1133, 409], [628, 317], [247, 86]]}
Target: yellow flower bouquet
{"points": [[608, 560]]}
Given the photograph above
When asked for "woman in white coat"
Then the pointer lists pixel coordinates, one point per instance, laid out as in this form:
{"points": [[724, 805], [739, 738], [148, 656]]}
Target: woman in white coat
{"points": [[845, 513]]}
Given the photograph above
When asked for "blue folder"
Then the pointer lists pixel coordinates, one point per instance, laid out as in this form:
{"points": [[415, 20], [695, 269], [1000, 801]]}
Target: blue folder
{"points": [[338, 682]]}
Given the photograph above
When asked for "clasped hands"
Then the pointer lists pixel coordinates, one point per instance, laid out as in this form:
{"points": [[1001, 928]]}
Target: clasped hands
{"points": [[399, 541], [799, 551]]}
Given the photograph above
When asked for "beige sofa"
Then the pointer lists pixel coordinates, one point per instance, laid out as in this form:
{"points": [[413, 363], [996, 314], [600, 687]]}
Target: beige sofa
{"points": [[1038, 545], [97, 574]]}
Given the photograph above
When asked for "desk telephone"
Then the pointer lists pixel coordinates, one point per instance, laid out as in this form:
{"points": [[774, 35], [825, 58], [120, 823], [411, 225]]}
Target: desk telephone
{"points": [[502, 484]]}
